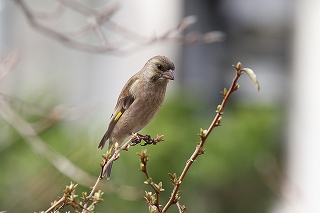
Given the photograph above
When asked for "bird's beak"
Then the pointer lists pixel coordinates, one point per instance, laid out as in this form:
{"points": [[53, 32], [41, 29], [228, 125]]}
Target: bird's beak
{"points": [[168, 75]]}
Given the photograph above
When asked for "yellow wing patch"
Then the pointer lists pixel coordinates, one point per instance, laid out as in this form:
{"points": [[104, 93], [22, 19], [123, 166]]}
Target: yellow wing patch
{"points": [[117, 116]]}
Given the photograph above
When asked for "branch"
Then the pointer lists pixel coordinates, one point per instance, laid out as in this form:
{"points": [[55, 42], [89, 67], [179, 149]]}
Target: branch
{"points": [[60, 162], [152, 199], [8, 63], [204, 134], [48, 116], [66, 40], [97, 19], [113, 155]]}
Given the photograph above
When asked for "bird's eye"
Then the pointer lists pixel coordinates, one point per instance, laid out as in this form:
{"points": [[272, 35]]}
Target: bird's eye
{"points": [[160, 67]]}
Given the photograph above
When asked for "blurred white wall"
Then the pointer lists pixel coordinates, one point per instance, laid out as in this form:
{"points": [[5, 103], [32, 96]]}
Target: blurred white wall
{"points": [[301, 191]]}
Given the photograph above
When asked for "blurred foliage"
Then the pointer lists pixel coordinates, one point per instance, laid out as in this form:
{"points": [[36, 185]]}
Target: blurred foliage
{"points": [[224, 180]]}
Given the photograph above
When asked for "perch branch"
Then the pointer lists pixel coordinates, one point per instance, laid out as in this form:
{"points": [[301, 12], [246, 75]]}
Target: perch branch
{"points": [[203, 137]]}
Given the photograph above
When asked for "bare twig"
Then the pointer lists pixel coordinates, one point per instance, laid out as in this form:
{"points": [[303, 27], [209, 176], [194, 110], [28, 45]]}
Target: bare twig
{"points": [[8, 63], [204, 134], [57, 12], [113, 155], [60, 162], [47, 116], [152, 199], [182, 209], [69, 198], [58, 113], [98, 19], [68, 41], [55, 204]]}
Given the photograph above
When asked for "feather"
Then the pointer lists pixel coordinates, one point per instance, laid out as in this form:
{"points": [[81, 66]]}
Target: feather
{"points": [[124, 102]]}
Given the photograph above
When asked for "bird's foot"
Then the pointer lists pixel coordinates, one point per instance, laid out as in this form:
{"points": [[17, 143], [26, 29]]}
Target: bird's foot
{"points": [[136, 138]]}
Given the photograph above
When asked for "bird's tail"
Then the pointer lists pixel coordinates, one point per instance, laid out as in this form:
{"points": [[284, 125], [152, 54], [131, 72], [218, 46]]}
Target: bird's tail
{"points": [[109, 167], [108, 171], [103, 141], [111, 151]]}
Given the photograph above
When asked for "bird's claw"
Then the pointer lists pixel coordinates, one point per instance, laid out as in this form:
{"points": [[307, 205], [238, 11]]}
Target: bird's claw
{"points": [[136, 138]]}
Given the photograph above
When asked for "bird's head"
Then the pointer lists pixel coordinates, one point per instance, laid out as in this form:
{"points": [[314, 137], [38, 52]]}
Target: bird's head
{"points": [[159, 68]]}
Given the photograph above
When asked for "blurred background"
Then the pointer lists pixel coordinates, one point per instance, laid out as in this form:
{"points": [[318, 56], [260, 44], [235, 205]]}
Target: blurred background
{"points": [[63, 64]]}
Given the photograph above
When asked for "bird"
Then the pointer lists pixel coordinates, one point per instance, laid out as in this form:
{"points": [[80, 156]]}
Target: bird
{"points": [[138, 102]]}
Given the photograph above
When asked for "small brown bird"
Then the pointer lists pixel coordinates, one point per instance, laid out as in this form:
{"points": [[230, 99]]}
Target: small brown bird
{"points": [[139, 101]]}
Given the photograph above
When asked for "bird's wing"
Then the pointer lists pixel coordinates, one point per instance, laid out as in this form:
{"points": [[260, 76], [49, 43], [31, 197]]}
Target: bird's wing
{"points": [[125, 99]]}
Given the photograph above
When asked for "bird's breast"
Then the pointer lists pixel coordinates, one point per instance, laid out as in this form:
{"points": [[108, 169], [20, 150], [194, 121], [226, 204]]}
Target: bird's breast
{"points": [[148, 99]]}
